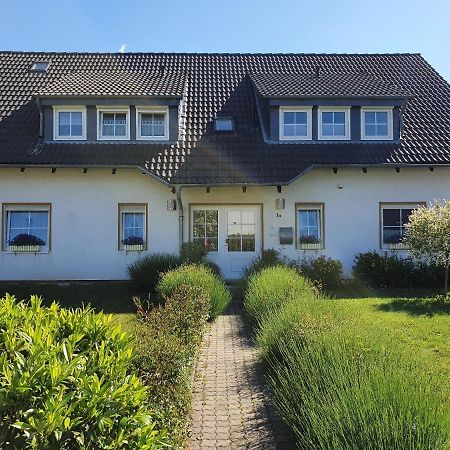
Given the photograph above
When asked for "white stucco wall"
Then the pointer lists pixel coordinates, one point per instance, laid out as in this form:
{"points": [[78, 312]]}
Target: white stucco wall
{"points": [[84, 223], [84, 213]]}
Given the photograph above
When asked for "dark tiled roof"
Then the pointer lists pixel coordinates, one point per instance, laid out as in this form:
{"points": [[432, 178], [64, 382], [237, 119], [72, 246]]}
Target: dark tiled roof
{"points": [[220, 85], [324, 85], [99, 83]]}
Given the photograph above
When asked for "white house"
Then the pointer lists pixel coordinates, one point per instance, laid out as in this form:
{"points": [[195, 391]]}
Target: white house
{"points": [[105, 158]]}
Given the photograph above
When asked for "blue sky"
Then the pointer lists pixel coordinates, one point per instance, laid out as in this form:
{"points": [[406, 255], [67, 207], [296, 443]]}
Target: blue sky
{"points": [[334, 26]]}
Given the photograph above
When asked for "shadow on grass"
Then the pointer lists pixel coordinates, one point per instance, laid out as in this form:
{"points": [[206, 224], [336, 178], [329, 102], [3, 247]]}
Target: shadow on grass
{"points": [[418, 306], [109, 297]]}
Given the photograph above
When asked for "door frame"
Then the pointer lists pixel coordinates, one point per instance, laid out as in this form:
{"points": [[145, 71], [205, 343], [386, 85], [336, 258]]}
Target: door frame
{"points": [[223, 204]]}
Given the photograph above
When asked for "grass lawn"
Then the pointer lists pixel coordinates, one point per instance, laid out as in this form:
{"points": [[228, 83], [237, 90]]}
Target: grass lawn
{"points": [[419, 324], [110, 297]]}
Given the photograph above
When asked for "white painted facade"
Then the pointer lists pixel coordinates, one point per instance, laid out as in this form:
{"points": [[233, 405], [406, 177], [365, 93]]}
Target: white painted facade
{"points": [[84, 214]]}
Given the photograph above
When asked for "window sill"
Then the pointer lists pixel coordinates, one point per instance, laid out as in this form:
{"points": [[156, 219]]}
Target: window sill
{"points": [[395, 247], [133, 248], [25, 249]]}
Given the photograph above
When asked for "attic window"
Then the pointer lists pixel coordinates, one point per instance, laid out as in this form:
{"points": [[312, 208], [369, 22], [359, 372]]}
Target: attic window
{"points": [[40, 66], [224, 124]]}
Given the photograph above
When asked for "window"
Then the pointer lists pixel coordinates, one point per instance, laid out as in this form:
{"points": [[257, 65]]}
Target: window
{"points": [[205, 228], [69, 123], [241, 231], [222, 124], [40, 66], [113, 124], [27, 228], [310, 226], [132, 227], [394, 217], [295, 123], [376, 124], [334, 123], [152, 124]]}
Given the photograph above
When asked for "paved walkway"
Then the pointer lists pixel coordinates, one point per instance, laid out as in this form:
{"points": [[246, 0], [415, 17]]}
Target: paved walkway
{"points": [[231, 406]]}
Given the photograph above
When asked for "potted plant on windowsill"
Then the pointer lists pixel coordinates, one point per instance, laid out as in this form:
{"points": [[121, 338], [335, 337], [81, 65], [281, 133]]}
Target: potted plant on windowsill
{"points": [[26, 243], [308, 242], [395, 242], [133, 244]]}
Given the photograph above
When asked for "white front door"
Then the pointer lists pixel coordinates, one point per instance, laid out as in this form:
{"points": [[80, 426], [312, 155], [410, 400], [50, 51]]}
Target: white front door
{"points": [[232, 234]]}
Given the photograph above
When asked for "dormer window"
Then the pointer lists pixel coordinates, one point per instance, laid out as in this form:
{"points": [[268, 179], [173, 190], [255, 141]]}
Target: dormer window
{"points": [[69, 123], [295, 123], [113, 123], [224, 124], [334, 123], [152, 124], [376, 124]]}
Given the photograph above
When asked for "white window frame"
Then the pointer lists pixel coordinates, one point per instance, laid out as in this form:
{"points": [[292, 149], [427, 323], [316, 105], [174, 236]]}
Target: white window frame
{"points": [[308, 110], [346, 110], [390, 124], [57, 110], [38, 207], [394, 205], [112, 109], [308, 207], [140, 208], [152, 110]]}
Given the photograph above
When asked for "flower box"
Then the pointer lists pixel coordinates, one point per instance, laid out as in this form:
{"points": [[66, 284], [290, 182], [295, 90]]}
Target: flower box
{"points": [[310, 246], [25, 248], [133, 247], [397, 246]]}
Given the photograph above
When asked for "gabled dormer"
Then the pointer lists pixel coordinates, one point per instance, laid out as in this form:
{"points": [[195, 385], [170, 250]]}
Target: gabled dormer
{"points": [[112, 106], [328, 107]]}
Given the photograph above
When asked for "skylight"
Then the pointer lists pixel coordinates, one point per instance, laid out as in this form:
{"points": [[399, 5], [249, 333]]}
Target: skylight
{"points": [[40, 66], [224, 124]]}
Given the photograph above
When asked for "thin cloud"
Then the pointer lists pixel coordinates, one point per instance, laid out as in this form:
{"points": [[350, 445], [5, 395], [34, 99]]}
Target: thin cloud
{"points": [[122, 48]]}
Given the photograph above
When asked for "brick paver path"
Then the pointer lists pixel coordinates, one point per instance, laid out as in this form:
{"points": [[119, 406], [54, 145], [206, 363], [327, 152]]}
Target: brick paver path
{"points": [[231, 406]]}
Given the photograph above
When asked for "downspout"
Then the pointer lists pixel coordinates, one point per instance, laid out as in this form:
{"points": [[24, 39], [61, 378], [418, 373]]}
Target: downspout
{"points": [[180, 216]]}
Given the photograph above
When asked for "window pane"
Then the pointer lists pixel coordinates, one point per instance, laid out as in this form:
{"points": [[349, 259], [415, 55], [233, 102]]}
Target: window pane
{"points": [[301, 118], [391, 217], [303, 218], [301, 130], [199, 216], [382, 130], [289, 117], [108, 118], [39, 219], [234, 217], [212, 216], [64, 118], [248, 230], [120, 130], [108, 130], [327, 117], [370, 130], [120, 118], [339, 117], [64, 130], [381, 117], [198, 231], [248, 217], [339, 130], [211, 231], [76, 118], [224, 125], [369, 117], [405, 215], [76, 130], [234, 230], [234, 245], [392, 235], [313, 217], [18, 219], [289, 130], [248, 245], [327, 130]]}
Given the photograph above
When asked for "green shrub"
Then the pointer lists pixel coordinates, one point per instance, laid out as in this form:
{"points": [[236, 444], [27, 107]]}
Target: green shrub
{"points": [[391, 271], [167, 339], [268, 258], [201, 276], [66, 383], [147, 270], [324, 272], [338, 393], [193, 253], [270, 288]]}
